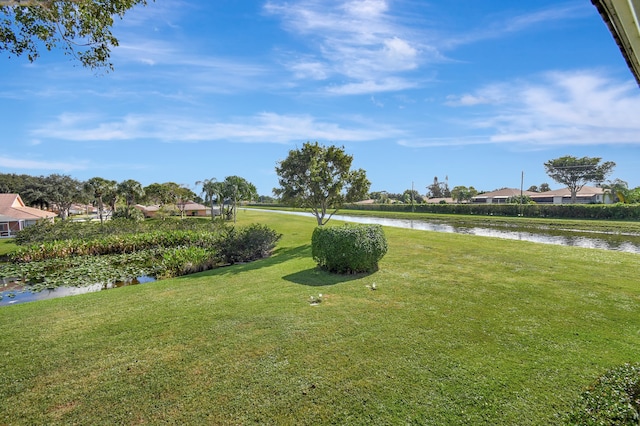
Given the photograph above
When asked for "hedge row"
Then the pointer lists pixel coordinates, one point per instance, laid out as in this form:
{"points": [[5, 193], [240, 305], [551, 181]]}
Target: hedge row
{"points": [[66, 229], [113, 244], [565, 211]]}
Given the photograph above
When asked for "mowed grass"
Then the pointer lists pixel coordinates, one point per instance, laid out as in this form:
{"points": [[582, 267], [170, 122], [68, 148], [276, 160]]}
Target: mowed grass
{"points": [[7, 246], [461, 330]]}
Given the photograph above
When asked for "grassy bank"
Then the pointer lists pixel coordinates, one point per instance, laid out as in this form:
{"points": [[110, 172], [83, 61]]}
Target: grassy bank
{"points": [[461, 330], [7, 245], [608, 226]]}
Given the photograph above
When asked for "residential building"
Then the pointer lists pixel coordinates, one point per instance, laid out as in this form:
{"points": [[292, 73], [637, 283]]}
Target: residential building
{"points": [[15, 215], [587, 195], [191, 208], [501, 196]]}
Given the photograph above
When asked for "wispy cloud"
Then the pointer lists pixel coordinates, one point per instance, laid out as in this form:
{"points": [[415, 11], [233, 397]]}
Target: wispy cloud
{"points": [[507, 26], [358, 39], [261, 128], [20, 163], [366, 44], [444, 141], [559, 109]]}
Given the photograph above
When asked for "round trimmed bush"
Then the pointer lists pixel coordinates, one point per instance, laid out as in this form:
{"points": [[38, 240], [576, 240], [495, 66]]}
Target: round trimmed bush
{"points": [[614, 399], [348, 249]]}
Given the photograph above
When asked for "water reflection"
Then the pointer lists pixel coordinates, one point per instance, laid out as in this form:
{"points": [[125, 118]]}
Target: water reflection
{"points": [[617, 242], [22, 295]]}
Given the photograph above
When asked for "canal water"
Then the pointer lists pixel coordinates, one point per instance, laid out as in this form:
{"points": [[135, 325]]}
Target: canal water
{"points": [[604, 241], [20, 295]]}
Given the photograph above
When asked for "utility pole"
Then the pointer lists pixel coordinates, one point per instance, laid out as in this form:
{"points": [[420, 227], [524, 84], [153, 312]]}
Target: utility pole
{"points": [[413, 209], [521, 191]]}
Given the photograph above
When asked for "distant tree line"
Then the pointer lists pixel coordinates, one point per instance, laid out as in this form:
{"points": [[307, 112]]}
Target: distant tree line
{"points": [[59, 193]]}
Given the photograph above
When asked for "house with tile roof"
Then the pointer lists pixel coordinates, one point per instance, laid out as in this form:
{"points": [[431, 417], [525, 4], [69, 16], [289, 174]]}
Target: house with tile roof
{"points": [[15, 215], [500, 196], [191, 208], [587, 195]]}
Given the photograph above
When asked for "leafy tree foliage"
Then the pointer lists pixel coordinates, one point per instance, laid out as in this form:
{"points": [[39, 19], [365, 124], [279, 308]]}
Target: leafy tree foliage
{"points": [[266, 199], [439, 189], [544, 187], [411, 196], [11, 183], [156, 193], [575, 172], [231, 191], [102, 190], [63, 191], [132, 192], [234, 190], [320, 178], [81, 28], [35, 191], [385, 197], [179, 195], [211, 189], [56, 190], [519, 199], [463, 194]]}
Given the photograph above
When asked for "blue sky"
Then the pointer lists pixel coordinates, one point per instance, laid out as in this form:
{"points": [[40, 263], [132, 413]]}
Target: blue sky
{"points": [[476, 91]]}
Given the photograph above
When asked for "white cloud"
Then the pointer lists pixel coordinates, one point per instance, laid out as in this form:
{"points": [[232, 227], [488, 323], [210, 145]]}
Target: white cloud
{"points": [[490, 94], [560, 109], [261, 128], [20, 163], [517, 23], [370, 8], [359, 40], [444, 141], [372, 86], [314, 70], [400, 54]]}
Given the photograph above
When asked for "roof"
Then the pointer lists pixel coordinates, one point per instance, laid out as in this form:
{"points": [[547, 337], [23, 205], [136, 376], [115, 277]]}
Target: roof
{"points": [[621, 17], [188, 206], [13, 208], [504, 193], [448, 200], [586, 191], [191, 205]]}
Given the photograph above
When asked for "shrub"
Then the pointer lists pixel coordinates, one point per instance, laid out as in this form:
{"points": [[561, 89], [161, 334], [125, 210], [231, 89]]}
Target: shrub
{"points": [[186, 260], [246, 244], [128, 214], [113, 244], [614, 399], [348, 249]]}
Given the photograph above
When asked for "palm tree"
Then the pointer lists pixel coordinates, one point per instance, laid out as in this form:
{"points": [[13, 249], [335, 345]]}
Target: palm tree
{"points": [[237, 189], [211, 189], [131, 190], [618, 189], [102, 189]]}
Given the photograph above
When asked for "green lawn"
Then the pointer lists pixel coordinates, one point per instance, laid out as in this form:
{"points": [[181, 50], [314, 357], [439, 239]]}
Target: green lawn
{"points": [[7, 246], [461, 330]]}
